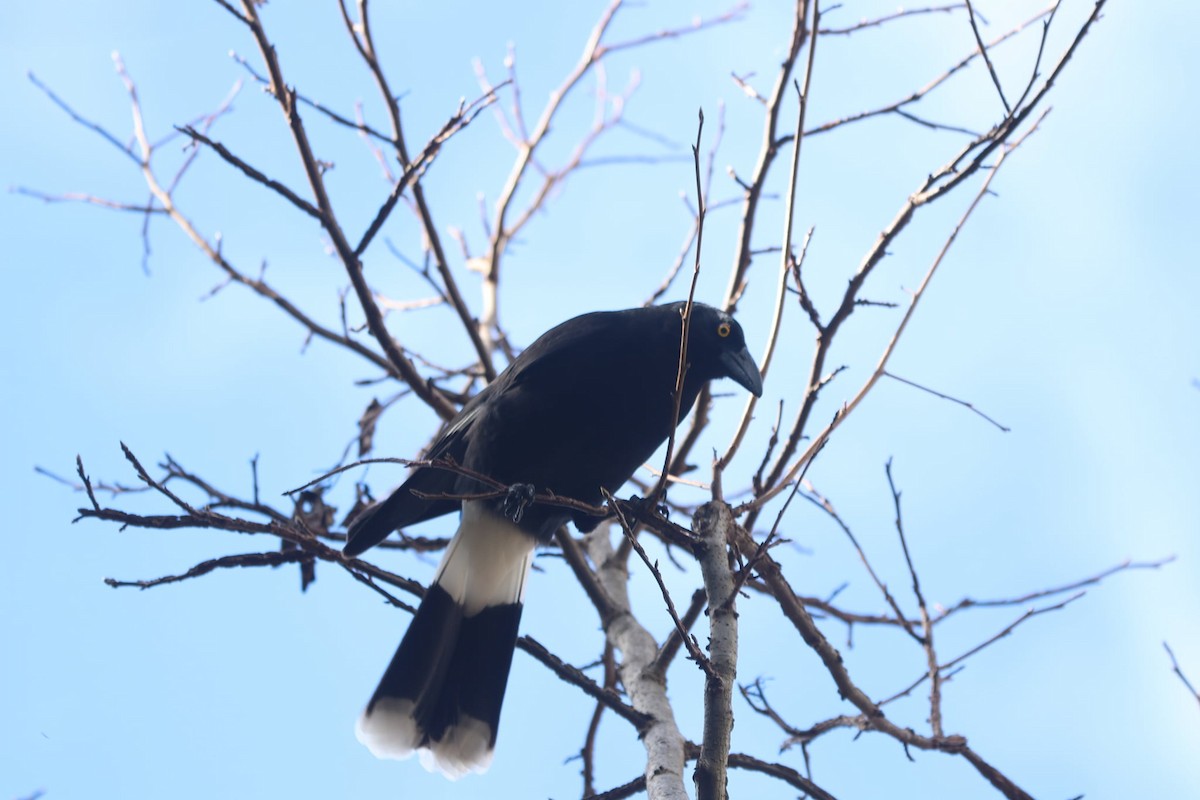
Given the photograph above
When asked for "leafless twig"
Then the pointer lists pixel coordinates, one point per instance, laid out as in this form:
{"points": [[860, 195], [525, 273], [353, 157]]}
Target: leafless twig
{"points": [[986, 58], [1176, 669], [936, 393], [886, 18], [935, 675]]}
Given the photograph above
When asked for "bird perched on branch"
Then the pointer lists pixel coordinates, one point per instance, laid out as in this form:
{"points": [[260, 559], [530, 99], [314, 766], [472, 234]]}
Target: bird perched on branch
{"points": [[575, 414]]}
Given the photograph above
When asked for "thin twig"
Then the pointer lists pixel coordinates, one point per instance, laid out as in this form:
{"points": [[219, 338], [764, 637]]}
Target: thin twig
{"points": [[803, 95], [693, 647], [587, 753], [936, 393], [886, 18], [666, 653], [80, 197], [931, 659], [269, 559], [779, 478], [766, 157], [924, 91], [251, 172], [629, 789], [87, 482], [823, 503], [1175, 668], [577, 678], [364, 43], [986, 58], [685, 322], [96, 128], [287, 102], [357, 124], [1127, 564], [463, 117]]}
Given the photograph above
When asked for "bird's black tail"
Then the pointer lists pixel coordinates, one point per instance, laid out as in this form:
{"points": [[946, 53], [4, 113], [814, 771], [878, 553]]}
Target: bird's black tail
{"points": [[441, 695]]}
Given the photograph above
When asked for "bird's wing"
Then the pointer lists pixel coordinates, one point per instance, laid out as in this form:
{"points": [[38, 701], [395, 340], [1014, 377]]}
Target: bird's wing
{"points": [[403, 507], [576, 341], [534, 372]]}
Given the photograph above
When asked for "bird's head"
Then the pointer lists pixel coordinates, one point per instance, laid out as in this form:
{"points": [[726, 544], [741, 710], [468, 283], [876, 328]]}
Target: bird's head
{"points": [[717, 349]]}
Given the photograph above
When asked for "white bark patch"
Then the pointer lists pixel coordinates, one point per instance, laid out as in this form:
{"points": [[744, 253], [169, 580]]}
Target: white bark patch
{"points": [[647, 689]]}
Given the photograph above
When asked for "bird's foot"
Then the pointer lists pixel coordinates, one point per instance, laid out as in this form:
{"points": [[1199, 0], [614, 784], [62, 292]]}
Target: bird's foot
{"points": [[520, 497], [643, 507]]}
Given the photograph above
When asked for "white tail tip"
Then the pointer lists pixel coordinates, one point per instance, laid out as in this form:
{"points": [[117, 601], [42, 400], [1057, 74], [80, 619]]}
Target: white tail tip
{"points": [[389, 731], [465, 748]]}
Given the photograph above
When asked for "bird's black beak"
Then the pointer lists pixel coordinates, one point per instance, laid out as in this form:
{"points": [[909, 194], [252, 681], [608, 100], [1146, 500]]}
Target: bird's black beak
{"points": [[739, 365]]}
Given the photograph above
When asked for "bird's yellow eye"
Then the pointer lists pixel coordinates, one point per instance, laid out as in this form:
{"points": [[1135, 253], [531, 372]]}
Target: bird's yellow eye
{"points": [[723, 329]]}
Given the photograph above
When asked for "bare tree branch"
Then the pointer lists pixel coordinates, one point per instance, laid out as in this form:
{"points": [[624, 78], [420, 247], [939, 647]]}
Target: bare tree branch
{"points": [[360, 33], [936, 393], [287, 101], [1179, 672], [719, 559], [766, 156], [931, 659], [987, 59], [269, 559], [886, 18], [714, 526], [646, 687], [779, 477], [897, 106]]}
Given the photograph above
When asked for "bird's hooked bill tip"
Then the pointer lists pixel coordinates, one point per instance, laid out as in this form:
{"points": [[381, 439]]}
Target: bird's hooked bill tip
{"points": [[740, 367]]}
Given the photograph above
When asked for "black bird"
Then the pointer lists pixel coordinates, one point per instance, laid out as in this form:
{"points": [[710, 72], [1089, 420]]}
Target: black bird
{"points": [[576, 413]]}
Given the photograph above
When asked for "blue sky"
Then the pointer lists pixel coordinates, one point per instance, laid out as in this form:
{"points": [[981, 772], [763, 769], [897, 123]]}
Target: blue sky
{"points": [[1066, 310]]}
